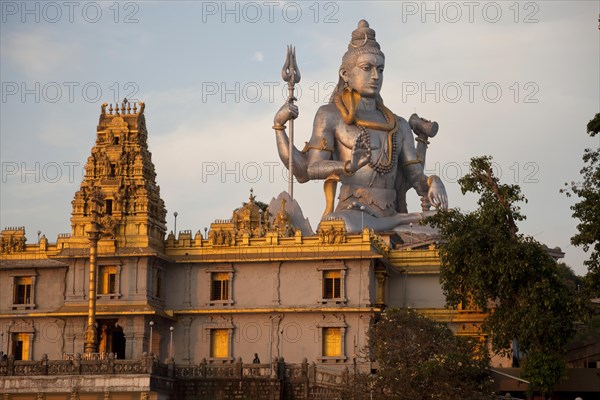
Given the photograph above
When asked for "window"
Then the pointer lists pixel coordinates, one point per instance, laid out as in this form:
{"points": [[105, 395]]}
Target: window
{"points": [[219, 343], [22, 346], [107, 280], [592, 364], [22, 291], [332, 282], [109, 207], [218, 339], [332, 336], [332, 342], [158, 282], [333, 277], [219, 286]]}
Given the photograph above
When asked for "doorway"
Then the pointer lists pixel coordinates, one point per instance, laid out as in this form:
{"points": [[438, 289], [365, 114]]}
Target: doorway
{"points": [[111, 338]]}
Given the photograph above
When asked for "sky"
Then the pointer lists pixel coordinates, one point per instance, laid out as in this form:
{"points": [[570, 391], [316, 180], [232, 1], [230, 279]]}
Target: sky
{"points": [[514, 80]]}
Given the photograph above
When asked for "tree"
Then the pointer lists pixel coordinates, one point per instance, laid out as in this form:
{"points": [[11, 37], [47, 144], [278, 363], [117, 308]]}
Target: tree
{"points": [[587, 209], [486, 261], [422, 359], [572, 280]]}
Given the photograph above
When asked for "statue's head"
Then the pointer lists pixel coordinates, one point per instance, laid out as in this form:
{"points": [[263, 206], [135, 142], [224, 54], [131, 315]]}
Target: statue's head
{"points": [[362, 42], [363, 48]]}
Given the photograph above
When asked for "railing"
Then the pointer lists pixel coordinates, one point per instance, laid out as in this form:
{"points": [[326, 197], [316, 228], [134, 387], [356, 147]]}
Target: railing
{"points": [[232, 370], [275, 380], [294, 372], [78, 365], [303, 372], [107, 364], [331, 378], [257, 370], [88, 356]]}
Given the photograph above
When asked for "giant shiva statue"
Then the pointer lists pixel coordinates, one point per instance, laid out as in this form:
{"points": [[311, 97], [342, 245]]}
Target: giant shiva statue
{"points": [[358, 141]]}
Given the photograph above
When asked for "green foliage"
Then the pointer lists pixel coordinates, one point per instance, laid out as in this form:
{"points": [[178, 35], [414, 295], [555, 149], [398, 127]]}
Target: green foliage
{"points": [[485, 260], [589, 332], [543, 368], [567, 274], [587, 209], [422, 359], [593, 127]]}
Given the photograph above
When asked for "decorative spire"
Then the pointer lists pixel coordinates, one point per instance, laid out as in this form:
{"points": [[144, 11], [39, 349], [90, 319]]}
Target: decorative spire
{"points": [[120, 171], [122, 109]]}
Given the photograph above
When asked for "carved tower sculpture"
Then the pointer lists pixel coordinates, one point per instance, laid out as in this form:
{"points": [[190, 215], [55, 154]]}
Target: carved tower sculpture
{"points": [[120, 174]]}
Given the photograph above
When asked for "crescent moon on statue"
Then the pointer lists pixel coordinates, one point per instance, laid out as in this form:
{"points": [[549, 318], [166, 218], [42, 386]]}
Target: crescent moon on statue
{"points": [[362, 44]]}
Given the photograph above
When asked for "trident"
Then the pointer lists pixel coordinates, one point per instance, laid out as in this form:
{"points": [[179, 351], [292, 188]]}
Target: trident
{"points": [[291, 74]]}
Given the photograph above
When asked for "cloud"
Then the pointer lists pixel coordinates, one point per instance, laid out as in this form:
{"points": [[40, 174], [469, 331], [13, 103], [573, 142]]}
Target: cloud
{"points": [[38, 54], [258, 56], [210, 122]]}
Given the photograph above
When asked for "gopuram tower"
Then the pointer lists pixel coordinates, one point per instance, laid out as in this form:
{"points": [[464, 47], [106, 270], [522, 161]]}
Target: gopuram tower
{"points": [[120, 183]]}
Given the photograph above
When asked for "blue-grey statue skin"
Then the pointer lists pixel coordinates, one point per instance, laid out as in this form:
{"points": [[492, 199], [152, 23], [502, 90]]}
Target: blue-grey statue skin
{"points": [[368, 197]]}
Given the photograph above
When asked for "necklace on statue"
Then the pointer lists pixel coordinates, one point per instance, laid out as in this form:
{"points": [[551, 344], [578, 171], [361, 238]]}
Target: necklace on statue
{"points": [[364, 137]]}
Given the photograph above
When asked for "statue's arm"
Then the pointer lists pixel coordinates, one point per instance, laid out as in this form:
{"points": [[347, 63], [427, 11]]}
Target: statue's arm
{"points": [[411, 166], [321, 147], [299, 168], [430, 186]]}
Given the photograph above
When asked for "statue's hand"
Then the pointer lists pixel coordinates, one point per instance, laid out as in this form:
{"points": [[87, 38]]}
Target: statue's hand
{"points": [[360, 156], [437, 194], [286, 112]]}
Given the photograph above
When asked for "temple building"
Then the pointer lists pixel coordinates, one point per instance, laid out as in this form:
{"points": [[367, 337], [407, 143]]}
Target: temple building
{"points": [[118, 309], [259, 283]]}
